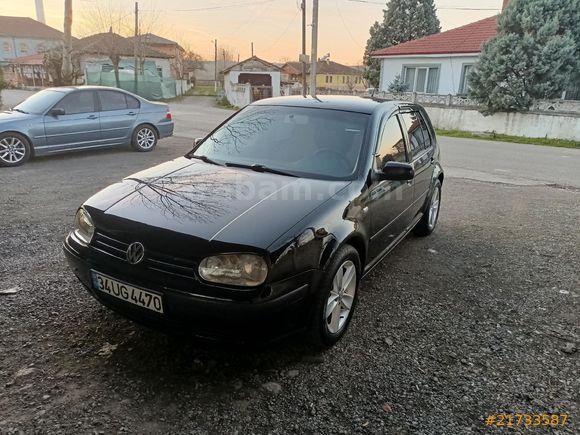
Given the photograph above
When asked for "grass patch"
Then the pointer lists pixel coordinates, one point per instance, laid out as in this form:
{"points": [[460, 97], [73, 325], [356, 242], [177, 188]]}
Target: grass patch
{"points": [[225, 104], [562, 143], [201, 91]]}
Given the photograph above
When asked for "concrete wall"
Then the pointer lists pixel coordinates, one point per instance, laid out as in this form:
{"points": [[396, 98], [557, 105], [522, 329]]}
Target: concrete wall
{"points": [[449, 72], [554, 126], [238, 95], [10, 47]]}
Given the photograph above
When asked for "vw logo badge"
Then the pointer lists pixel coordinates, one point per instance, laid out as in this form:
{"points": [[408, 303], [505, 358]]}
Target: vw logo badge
{"points": [[135, 253]]}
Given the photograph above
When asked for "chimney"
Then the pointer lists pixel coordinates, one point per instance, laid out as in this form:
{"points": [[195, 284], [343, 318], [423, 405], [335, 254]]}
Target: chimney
{"points": [[40, 11], [505, 3]]}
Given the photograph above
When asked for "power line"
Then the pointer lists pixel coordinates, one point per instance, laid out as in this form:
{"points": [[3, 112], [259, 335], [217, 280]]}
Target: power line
{"points": [[456, 8], [345, 26], [233, 5]]}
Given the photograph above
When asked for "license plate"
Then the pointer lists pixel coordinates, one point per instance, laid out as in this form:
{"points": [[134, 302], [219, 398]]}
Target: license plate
{"points": [[126, 292]]}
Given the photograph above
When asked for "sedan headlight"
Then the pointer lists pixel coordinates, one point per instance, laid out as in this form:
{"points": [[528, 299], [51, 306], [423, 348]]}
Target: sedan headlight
{"points": [[246, 270], [84, 228]]}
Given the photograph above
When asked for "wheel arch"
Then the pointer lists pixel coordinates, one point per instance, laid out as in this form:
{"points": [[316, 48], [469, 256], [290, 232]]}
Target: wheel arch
{"points": [[148, 124]]}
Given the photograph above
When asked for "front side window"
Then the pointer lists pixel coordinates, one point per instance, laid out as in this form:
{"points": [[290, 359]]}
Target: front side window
{"points": [[77, 102], [391, 147], [313, 143], [40, 102], [111, 100], [422, 79]]}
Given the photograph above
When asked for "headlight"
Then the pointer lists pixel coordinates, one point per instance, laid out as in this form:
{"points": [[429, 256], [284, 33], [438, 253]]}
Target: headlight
{"points": [[235, 269], [84, 227]]}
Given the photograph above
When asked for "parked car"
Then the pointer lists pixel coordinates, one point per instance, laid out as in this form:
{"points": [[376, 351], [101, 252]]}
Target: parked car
{"points": [[268, 225], [55, 120]]}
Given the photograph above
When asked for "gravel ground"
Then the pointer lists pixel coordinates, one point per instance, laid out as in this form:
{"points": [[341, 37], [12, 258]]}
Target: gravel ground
{"points": [[480, 318]]}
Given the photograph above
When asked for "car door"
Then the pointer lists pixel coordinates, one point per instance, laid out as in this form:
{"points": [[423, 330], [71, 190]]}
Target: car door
{"points": [[388, 201], [78, 127], [421, 152], [118, 114]]}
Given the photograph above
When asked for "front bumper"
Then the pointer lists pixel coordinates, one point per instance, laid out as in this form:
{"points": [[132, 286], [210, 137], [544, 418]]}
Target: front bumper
{"points": [[256, 318]]}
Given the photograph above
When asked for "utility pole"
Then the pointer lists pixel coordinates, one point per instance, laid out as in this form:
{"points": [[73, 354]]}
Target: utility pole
{"points": [[252, 49], [303, 61], [314, 54], [136, 45], [215, 79], [67, 58], [224, 56]]}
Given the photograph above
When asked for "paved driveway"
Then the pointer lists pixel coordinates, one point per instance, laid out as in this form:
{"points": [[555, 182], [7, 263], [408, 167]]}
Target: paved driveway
{"points": [[481, 317]]}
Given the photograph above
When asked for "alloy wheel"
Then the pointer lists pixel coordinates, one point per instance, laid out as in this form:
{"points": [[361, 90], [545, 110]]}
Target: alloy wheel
{"points": [[434, 208], [341, 298], [12, 150], [146, 138]]}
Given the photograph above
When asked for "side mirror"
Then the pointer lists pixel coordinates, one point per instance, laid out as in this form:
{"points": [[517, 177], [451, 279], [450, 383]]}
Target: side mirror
{"points": [[397, 171], [197, 141], [57, 111]]}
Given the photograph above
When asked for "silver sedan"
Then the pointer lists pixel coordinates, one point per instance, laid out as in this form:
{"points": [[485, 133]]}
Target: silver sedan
{"points": [[82, 117]]}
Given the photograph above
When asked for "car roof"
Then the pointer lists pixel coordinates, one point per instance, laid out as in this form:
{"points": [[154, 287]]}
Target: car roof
{"points": [[332, 102]]}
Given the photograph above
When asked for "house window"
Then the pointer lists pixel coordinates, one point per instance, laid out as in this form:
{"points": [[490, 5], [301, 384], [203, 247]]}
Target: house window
{"points": [[23, 47], [6, 47], [464, 83], [40, 48], [343, 79], [421, 79]]}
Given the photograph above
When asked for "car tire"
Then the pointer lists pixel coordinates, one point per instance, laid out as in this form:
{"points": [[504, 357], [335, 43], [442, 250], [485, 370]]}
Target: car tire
{"points": [[144, 138], [431, 215], [15, 149], [328, 325]]}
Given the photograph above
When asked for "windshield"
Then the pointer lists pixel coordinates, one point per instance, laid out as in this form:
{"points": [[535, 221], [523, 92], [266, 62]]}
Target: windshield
{"points": [[40, 102], [312, 143]]}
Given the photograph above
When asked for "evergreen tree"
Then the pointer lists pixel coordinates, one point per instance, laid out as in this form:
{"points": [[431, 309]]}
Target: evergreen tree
{"points": [[403, 20], [535, 55]]}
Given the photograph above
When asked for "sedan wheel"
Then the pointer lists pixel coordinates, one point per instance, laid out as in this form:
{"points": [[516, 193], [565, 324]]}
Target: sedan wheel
{"points": [[341, 298], [144, 138], [434, 208], [14, 150], [429, 220]]}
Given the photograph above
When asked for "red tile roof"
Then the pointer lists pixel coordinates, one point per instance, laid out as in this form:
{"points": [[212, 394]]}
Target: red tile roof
{"points": [[24, 27], [464, 39]]}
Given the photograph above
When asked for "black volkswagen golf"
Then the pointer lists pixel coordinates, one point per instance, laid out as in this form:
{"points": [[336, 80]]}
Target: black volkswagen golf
{"points": [[268, 225]]}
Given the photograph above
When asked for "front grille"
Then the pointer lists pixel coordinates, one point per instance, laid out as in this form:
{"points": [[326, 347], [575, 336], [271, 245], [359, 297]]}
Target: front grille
{"points": [[156, 261]]}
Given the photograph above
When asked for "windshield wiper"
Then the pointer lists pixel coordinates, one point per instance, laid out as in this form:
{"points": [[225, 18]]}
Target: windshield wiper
{"points": [[205, 159], [19, 110], [260, 168]]}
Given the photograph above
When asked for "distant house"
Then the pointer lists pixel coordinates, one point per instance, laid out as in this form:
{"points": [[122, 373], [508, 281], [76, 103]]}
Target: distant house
{"points": [[439, 63], [96, 52], [205, 74], [174, 51], [260, 79], [23, 36], [329, 76]]}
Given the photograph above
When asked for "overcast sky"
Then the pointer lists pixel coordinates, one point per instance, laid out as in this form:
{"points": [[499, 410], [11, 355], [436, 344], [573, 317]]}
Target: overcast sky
{"points": [[273, 25]]}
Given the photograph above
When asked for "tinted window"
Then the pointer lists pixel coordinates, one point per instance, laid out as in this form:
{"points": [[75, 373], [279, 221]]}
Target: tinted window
{"points": [[132, 103], [391, 144], [77, 102], [418, 134], [426, 131], [40, 102], [111, 100], [316, 143]]}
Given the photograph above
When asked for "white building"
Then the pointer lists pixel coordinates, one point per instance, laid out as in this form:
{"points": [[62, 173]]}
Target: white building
{"points": [[250, 80], [23, 36], [436, 64]]}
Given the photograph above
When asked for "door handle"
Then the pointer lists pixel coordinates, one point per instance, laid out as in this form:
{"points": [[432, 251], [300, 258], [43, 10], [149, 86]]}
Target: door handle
{"points": [[432, 160], [92, 117], [131, 113]]}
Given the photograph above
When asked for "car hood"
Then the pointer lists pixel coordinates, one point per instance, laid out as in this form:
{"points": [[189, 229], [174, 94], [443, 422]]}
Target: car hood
{"points": [[214, 203], [11, 116]]}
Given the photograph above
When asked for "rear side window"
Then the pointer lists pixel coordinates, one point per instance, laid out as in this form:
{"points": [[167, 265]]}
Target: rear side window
{"points": [[426, 131], [132, 103], [77, 102], [391, 144], [419, 137], [111, 100]]}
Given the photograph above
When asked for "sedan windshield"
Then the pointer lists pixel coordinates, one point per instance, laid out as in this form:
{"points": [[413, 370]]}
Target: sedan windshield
{"points": [[40, 102], [306, 142]]}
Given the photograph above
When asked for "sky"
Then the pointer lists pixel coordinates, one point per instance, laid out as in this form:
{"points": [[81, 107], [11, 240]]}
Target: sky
{"points": [[274, 26]]}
